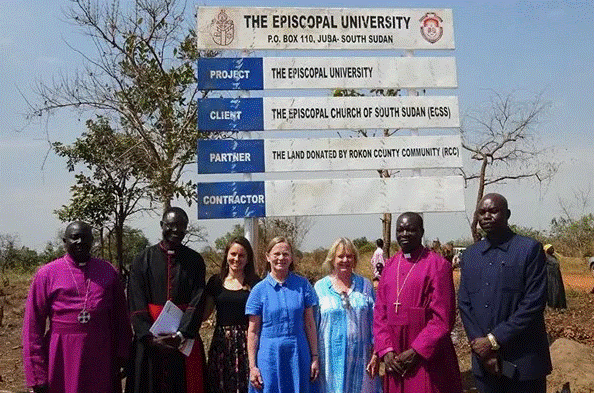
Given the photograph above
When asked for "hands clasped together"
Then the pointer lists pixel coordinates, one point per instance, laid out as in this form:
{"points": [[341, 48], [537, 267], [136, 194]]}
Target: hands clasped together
{"points": [[401, 364]]}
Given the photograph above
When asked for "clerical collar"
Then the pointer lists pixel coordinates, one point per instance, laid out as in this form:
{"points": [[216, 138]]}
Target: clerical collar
{"points": [[415, 253], [166, 247]]}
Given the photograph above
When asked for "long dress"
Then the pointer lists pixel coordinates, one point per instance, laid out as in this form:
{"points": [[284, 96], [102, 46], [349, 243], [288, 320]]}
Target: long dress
{"points": [[74, 357], [158, 275], [228, 370], [345, 336], [283, 353], [423, 320], [555, 288]]}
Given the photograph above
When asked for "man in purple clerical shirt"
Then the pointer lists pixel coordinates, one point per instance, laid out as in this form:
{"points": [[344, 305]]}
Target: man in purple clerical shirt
{"points": [[414, 316], [89, 333]]}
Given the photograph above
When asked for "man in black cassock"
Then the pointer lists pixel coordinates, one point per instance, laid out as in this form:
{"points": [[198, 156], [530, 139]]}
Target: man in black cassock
{"points": [[167, 271]]}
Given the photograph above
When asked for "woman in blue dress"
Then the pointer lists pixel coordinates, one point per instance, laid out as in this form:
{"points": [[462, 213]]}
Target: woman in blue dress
{"points": [[345, 325], [282, 340]]}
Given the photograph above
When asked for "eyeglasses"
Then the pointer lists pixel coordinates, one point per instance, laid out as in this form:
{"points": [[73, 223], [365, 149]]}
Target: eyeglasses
{"points": [[344, 298]]}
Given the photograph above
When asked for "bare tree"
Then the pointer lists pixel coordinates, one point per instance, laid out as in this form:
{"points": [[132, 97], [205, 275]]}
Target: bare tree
{"points": [[503, 141], [141, 78]]}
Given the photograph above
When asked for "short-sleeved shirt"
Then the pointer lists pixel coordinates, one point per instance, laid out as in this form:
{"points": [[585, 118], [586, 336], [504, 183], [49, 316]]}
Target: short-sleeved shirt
{"points": [[281, 306]]}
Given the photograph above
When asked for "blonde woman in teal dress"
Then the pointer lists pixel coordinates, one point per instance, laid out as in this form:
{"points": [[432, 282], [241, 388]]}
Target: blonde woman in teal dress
{"points": [[345, 325]]}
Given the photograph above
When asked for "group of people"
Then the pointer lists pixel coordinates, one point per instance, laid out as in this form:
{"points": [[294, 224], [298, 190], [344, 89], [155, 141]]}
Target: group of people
{"points": [[280, 333]]}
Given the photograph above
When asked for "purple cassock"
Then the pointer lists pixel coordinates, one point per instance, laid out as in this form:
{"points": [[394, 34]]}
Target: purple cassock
{"points": [[415, 308], [89, 327]]}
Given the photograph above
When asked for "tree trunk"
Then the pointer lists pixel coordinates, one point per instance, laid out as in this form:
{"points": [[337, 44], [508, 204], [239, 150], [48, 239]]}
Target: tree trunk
{"points": [[386, 223], [119, 235], [387, 233], [101, 242], [481, 190]]}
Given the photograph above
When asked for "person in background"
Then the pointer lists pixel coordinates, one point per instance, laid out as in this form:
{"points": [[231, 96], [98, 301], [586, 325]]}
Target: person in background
{"points": [[555, 288], [345, 325], [227, 370], [88, 337], [502, 297], [414, 315], [377, 261], [167, 271], [282, 339]]}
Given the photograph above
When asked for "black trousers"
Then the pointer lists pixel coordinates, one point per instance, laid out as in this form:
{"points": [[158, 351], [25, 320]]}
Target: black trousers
{"points": [[492, 384]]}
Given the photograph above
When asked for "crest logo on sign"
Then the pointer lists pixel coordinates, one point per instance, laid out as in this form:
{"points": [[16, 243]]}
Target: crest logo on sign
{"points": [[222, 29], [431, 28]]}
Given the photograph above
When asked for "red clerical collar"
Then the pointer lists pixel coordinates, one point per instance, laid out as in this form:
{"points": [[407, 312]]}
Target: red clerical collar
{"points": [[167, 249]]}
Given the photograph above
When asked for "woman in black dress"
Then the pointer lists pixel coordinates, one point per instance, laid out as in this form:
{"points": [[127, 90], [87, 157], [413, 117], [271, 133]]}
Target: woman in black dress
{"points": [[227, 292]]}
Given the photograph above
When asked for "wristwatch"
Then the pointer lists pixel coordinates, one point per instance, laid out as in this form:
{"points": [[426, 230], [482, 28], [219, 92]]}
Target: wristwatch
{"points": [[494, 344]]}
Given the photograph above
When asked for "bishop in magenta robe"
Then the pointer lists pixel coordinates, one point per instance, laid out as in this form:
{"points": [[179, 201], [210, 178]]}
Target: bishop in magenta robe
{"points": [[89, 332], [414, 316]]}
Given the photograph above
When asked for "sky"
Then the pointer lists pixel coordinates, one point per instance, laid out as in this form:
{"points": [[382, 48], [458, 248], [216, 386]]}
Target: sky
{"points": [[524, 47]]}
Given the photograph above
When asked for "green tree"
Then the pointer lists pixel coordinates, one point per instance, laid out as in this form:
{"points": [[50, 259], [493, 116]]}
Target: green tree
{"points": [[574, 237], [141, 78], [502, 139], [15, 256], [134, 241], [112, 190]]}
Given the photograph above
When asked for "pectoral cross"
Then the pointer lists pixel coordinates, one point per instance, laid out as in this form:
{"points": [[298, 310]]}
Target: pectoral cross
{"points": [[396, 304]]}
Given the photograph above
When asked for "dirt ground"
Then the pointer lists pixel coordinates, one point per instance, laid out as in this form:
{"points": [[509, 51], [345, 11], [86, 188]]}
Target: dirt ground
{"points": [[575, 323]]}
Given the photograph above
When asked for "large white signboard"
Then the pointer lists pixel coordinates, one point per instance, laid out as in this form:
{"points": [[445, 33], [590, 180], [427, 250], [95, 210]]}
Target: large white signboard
{"points": [[327, 154], [324, 28], [363, 196]]}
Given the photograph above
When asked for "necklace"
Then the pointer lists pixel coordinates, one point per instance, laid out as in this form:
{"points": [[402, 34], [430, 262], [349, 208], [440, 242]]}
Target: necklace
{"points": [[83, 316], [398, 287]]}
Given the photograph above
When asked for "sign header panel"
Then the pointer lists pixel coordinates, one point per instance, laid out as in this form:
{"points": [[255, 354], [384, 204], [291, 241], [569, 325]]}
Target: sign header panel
{"points": [[321, 113], [230, 114], [230, 156], [240, 73], [253, 73], [231, 200], [324, 28]]}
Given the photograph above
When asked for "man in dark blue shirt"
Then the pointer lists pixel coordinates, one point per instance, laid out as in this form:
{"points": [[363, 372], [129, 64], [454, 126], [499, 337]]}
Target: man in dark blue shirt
{"points": [[502, 297]]}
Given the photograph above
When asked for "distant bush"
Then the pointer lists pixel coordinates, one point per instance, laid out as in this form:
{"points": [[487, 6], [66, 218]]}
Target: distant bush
{"points": [[310, 264], [14, 256]]}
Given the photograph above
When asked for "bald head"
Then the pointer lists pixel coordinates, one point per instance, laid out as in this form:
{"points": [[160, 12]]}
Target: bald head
{"points": [[493, 214], [78, 239], [409, 231]]}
